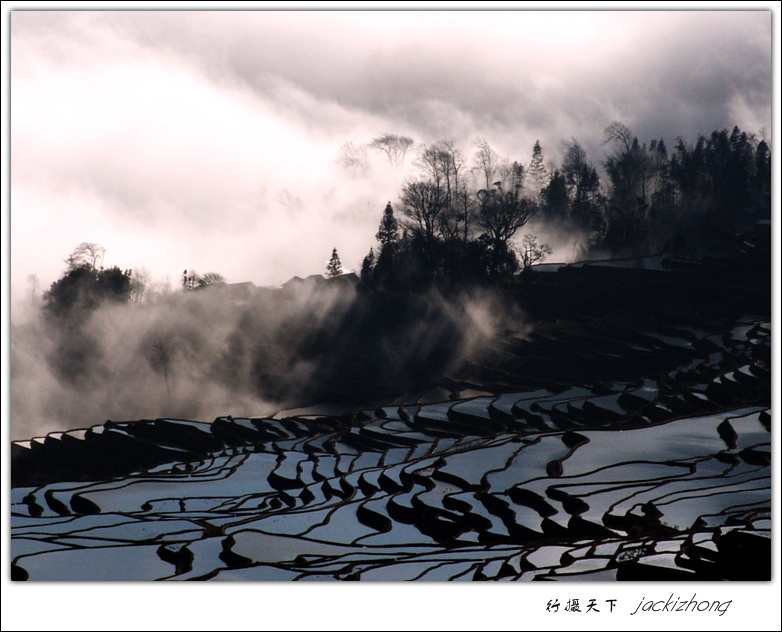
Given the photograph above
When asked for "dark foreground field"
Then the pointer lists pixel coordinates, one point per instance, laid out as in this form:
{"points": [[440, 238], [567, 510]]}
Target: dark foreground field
{"points": [[625, 436]]}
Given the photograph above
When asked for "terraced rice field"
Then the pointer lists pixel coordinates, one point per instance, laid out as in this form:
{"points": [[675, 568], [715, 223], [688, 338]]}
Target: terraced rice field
{"points": [[572, 475]]}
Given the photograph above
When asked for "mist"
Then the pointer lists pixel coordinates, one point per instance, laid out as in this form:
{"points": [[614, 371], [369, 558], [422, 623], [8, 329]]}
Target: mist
{"points": [[213, 352], [215, 141], [210, 140]]}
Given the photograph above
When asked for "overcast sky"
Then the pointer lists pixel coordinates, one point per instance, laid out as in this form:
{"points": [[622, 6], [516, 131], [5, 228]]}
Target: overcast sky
{"points": [[209, 140]]}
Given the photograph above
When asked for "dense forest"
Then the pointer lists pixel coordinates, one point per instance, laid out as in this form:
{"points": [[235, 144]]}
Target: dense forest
{"points": [[459, 220]]}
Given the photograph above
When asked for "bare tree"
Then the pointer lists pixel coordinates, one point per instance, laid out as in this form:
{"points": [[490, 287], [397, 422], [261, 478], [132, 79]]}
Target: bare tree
{"points": [[531, 252], [423, 201], [290, 201], [432, 165], [511, 174], [502, 213], [445, 201], [86, 254], [630, 167], [393, 146], [139, 284], [486, 162], [620, 133], [353, 159]]}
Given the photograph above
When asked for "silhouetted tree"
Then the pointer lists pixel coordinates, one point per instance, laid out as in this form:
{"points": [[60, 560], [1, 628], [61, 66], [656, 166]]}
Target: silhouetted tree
{"points": [[367, 267], [532, 252], [663, 198], [583, 189], [502, 213], [620, 133], [512, 175], [393, 146], [587, 207], [388, 233], [83, 288], [70, 292], [334, 267], [574, 164], [455, 220], [486, 162], [555, 201], [86, 254], [438, 201], [762, 179], [114, 284], [537, 172], [382, 269], [424, 203], [628, 168]]}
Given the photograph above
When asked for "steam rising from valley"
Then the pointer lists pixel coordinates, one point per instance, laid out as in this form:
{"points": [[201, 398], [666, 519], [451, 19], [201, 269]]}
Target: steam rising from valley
{"points": [[243, 143], [214, 351]]}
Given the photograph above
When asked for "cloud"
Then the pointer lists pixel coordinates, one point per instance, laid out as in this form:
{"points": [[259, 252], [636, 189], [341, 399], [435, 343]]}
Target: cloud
{"points": [[171, 137], [205, 353]]}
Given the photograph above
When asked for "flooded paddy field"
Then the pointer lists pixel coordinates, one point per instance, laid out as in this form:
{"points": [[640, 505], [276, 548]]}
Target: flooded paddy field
{"points": [[630, 441]]}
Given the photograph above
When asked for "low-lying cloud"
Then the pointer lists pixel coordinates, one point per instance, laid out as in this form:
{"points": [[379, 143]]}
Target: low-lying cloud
{"points": [[170, 137], [205, 353], [210, 141]]}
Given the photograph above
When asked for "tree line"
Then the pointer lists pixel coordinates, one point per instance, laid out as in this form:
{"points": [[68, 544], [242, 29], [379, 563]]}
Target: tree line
{"points": [[450, 228], [459, 219], [86, 284], [690, 201]]}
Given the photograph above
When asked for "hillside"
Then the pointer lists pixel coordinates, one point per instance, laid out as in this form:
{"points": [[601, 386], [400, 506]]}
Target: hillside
{"points": [[620, 432]]}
